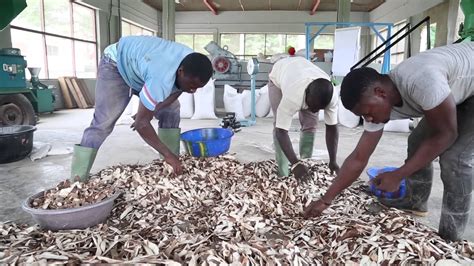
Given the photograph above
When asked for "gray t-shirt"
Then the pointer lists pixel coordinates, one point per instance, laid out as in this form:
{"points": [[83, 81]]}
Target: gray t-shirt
{"points": [[426, 80]]}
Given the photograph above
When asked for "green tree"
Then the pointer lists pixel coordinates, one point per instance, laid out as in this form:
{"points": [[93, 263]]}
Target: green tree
{"points": [[275, 44]]}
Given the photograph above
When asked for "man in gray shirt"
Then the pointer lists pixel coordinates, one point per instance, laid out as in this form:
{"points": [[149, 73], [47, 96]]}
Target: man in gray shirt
{"points": [[437, 85]]}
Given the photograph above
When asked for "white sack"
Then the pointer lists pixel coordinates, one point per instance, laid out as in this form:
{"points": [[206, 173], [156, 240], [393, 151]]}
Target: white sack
{"points": [[204, 102], [186, 100], [263, 103], [233, 102]]}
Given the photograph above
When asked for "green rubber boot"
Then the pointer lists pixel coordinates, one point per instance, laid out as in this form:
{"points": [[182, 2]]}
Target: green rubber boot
{"points": [[306, 144], [282, 161], [82, 161], [171, 138]]}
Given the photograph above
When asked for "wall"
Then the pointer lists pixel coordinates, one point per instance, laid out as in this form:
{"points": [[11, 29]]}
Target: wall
{"points": [[445, 15], [442, 12], [261, 22], [109, 31], [133, 10], [254, 21], [251, 21], [397, 10], [108, 25]]}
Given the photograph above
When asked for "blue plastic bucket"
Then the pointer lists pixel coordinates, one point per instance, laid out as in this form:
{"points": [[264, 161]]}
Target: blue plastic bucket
{"points": [[207, 142], [374, 171]]}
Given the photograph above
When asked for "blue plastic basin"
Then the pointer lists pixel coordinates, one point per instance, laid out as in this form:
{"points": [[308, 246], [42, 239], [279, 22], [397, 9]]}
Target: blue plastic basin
{"points": [[207, 142], [374, 171]]}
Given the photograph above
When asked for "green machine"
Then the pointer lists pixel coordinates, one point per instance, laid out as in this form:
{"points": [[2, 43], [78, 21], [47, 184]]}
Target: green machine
{"points": [[19, 102], [466, 30]]}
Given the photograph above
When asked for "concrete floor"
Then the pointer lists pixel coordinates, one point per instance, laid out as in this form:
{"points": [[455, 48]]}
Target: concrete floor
{"points": [[20, 179]]}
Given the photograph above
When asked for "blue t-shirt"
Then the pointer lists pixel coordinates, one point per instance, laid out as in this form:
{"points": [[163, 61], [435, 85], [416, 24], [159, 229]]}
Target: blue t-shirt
{"points": [[148, 65]]}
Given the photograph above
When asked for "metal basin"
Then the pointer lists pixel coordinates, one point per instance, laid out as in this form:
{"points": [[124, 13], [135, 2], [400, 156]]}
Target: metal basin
{"points": [[73, 218], [16, 142]]}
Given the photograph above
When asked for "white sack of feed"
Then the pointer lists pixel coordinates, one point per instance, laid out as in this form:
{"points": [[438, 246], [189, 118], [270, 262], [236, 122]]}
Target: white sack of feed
{"points": [[204, 102]]}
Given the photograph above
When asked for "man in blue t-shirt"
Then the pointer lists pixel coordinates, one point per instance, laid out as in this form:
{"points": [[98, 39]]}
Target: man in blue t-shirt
{"points": [[157, 71]]}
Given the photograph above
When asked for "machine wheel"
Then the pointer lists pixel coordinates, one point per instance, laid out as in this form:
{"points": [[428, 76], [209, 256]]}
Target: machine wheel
{"points": [[221, 64], [16, 109]]}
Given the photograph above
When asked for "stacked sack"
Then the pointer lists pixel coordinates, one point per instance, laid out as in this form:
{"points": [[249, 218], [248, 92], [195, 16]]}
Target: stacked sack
{"points": [[241, 103], [199, 105]]}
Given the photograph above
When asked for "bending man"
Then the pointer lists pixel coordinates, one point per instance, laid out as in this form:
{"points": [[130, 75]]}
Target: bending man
{"points": [[297, 85], [156, 70], [437, 85]]}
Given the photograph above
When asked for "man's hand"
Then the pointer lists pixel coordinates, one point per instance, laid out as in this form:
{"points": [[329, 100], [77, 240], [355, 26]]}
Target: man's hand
{"points": [[388, 181], [315, 208], [334, 167], [173, 160], [301, 173]]}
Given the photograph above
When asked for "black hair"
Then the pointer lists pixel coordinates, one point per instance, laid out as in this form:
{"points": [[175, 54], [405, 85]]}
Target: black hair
{"points": [[320, 89], [197, 65], [356, 83]]}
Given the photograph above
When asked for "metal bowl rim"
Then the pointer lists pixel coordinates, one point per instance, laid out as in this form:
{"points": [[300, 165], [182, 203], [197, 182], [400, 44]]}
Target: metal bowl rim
{"points": [[27, 129], [27, 208]]}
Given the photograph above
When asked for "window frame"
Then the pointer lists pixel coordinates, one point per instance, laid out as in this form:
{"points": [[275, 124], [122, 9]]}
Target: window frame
{"points": [[247, 56], [393, 54], [43, 34], [131, 23], [194, 34], [433, 27]]}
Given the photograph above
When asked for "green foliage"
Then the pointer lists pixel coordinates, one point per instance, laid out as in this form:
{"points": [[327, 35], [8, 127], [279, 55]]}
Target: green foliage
{"points": [[433, 35], [186, 39], [324, 41], [234, 42], [200, 41], [57, 17], [197, 42], [30, 16]]}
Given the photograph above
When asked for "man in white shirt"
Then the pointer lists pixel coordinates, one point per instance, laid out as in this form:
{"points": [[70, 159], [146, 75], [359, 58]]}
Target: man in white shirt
{"points": [[297, 85], [437, 85]]}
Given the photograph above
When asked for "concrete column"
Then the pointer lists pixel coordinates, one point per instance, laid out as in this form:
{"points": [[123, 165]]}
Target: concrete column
{"points": [[115, 22], [452, 27], [343, 10], [168, 20], [416, 35], [5, 38]]}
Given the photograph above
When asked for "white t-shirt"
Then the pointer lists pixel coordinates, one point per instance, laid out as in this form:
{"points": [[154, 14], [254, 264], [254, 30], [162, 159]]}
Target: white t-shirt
{"points": [[293, 75], [426, 80]]}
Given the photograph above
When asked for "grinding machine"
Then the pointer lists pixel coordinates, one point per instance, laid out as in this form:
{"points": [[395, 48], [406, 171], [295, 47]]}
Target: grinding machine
{"points": [[18, 101]]}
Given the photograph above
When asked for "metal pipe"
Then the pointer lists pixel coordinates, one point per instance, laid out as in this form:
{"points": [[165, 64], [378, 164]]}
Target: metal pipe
{"points": [[241, 5], [428, 35], [315, 6], [409, 42], [120, 21], [210, 6]]}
